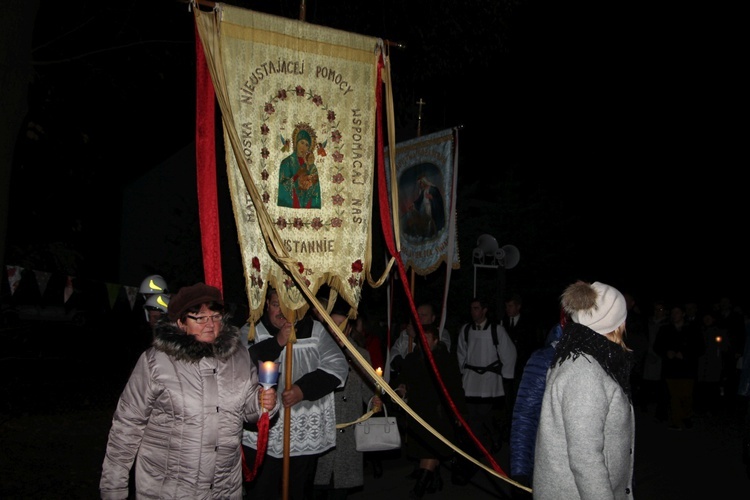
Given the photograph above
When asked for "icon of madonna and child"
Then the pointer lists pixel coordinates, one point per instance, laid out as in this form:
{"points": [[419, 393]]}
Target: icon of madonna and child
{"points": [[299, 186]]}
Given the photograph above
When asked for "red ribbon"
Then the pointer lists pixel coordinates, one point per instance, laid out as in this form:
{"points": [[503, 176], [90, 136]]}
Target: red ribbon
{"points": [[248, 474]]}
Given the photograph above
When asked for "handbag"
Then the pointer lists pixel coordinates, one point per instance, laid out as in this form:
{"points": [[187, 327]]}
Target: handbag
{"points": [[377, 433]]}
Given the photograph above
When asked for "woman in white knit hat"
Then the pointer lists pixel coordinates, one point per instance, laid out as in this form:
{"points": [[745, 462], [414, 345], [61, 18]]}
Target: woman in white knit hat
{"points": [[584, 445]]}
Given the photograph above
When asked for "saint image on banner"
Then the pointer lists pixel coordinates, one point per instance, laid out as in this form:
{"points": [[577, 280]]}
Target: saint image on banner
{"points": [[425, 216], [299, 186]]}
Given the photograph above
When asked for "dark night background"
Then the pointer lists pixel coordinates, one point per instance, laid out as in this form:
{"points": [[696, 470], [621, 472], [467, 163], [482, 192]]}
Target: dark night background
{"points": [[603, 139], [599, 139]]}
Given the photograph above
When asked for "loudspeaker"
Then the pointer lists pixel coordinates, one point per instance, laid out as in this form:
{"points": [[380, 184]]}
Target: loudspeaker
{"points": [[487, 244], [511, 255]]}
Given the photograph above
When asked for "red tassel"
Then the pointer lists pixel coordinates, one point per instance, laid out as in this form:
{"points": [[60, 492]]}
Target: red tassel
{"points": [[263, 423]]}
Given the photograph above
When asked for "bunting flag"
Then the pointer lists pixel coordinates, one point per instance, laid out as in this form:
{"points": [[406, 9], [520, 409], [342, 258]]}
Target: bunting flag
{"points": [[112, 290], [14, 277], [68, 291], [299, 107], [42, 280], [132, 293], [426, 174]]}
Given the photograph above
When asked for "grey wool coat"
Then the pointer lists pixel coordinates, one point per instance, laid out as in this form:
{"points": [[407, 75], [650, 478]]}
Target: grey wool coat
{"points": [[586, 436], [342, 466], [180, 419]]}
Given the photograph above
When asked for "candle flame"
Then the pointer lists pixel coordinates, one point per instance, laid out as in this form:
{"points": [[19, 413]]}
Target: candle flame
{"points": [[268, 373]]}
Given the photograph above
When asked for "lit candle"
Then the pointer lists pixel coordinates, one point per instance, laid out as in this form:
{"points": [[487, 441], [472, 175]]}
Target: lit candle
{"points": [[379, 391], [269, 374], [379, 371]]}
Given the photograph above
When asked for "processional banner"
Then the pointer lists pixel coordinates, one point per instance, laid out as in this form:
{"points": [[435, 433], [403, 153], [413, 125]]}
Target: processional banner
{"points": [[425, 179], [301, 118]]}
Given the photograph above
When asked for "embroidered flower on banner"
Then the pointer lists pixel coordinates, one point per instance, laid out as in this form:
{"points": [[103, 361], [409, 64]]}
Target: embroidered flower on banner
{"points": [[355, 280], [289, 282], [256, 282]]}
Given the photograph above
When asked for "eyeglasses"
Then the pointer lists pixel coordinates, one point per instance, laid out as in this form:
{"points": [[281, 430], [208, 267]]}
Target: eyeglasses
{"points": [[202, 320]]}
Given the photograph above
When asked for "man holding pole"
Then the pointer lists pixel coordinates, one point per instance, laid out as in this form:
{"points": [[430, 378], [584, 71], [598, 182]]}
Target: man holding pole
{"points": [[318, 367]]}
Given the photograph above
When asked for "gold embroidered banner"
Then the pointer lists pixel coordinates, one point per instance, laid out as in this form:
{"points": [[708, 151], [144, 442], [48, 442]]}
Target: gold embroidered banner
{"points": [[300, 114], [426, 180]]}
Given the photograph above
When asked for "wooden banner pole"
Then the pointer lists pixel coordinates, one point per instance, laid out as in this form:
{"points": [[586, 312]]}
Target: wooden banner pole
{"points": [[287, 424]]}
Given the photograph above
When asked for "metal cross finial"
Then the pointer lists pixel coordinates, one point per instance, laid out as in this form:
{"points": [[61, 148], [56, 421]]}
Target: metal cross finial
{"points": [[420, 103]]}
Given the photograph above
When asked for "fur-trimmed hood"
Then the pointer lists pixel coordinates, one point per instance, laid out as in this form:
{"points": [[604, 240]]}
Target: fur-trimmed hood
{"points": [[169, 339]]}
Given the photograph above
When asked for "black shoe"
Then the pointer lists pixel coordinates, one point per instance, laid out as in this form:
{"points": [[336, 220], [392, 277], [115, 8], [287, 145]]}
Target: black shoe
{"points": [[437, 482], [426, 477]]}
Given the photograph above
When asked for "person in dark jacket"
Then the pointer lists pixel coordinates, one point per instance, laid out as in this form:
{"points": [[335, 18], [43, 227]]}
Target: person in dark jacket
{"points": [[418, 383], [679, 344], [181, 414], [341, 469], [527, 408]]}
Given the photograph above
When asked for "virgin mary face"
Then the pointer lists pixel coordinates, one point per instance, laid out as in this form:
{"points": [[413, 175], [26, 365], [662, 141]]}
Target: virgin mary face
{"points": [[302, 148]]}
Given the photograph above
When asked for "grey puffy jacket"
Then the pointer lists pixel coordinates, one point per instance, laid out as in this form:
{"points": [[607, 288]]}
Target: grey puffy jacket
{"points": [[180, 419]]}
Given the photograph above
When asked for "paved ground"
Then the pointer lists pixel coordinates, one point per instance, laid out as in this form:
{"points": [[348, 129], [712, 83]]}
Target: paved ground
{"points": [[701, 463], [55, 412]]}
